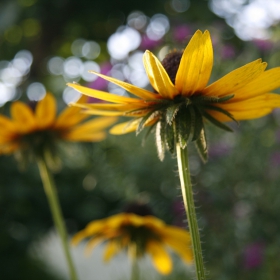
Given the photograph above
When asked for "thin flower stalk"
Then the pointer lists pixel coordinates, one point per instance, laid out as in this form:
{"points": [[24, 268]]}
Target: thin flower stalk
{"points": [[51, 193]]}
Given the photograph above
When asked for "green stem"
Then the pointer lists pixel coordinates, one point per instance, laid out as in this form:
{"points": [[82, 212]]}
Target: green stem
{"points": [[135, 275], [186, 187], [50, 190]]}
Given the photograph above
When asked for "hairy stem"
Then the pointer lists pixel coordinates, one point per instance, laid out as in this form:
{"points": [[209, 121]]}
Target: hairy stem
{"points": [[186, 187]]}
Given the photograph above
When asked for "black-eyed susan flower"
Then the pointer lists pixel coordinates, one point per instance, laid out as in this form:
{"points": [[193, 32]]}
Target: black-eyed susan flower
{"points": [[34, 132], [182, 98], [37, 129], [137, 234]]}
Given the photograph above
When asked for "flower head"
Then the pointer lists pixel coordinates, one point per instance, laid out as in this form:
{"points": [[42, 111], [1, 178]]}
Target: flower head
{"points": [[182, 99], [37, 130], [138, 235]]}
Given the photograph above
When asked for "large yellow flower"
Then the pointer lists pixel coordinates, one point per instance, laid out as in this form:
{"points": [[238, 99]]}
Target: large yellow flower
{"points": [[38, 129], [183, 98], [138, 235]]}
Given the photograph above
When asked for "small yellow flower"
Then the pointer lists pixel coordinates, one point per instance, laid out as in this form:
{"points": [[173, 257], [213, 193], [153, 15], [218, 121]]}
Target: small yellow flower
{"points": [[37, 129], [138, 235], [182, 98]]}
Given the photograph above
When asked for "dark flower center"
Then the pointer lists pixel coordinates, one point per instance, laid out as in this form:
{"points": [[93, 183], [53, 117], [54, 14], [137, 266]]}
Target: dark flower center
{"points": [[171, 63], [138, 209]]}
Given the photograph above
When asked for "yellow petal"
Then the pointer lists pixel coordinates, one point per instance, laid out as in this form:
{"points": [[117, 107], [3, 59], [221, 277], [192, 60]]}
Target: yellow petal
{"points": [[179, 240], [45, 112], [112, 107], [241, 115], [196, 64], [103, 95], [142, 93], [266, 82], [7, 125], [93, 242], [158, 77], [111, 250], [130, 126], [269, 100], [236, 79], [23, 116], [90, 131], [160, 258]]}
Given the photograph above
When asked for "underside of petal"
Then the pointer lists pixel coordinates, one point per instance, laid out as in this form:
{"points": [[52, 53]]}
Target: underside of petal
{"points": [[142, 93], [160, 258], [196, 64], [104, 95]]}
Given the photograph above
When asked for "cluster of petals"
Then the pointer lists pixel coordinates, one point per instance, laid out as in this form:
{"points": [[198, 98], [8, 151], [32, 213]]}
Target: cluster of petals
{"points": [[117, 230], [69, 125], [250, 84]]}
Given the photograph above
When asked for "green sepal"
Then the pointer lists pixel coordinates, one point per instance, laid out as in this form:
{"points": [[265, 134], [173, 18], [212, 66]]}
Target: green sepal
{"points": [[183, 127], [169, 138], [225, 98], [198, 123], [160, 139], [201, 146], [201, 99], [220, 110], [144, 119], [171, 112], [216, 122]]}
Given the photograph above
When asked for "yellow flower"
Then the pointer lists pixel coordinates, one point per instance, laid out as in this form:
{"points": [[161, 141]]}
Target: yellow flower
{"points": [[38, 129], [138, 235], [183, 99]]}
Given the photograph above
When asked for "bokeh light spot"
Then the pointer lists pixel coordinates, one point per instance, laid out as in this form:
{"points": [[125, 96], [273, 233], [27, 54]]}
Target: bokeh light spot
{"points": [[36, 91]]}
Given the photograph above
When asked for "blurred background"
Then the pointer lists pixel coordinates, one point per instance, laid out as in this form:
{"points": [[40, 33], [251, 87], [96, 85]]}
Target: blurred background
{"points": [[46, 43]]}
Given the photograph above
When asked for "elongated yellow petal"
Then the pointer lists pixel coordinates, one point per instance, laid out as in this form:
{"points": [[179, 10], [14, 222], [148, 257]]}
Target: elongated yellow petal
{"points": [[158, 77], [236, 79], [266, 82], [160, 258], [89, 131], [111, 250], [111, 107], [7, 125], [196, 64], [71, 115], [142, 93], [45, 111], [241, 115], [269, 100], [179, 240], [93, 242], [103, 113], [130, 126], [103, 95], [23, 116]]}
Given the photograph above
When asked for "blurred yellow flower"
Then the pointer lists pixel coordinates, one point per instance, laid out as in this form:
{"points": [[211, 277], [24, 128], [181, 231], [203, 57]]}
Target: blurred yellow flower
{"points": [[138, 235], [39, 128], [182, 99]]}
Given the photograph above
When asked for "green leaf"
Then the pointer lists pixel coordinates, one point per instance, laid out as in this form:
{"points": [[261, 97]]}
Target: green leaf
{"points": [[160, 139], [171, 112], [216, 122], [169, 138], [201, 146], [198, 123]]}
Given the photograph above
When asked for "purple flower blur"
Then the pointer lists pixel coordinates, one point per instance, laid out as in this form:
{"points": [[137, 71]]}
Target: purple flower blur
{"points": [[253, 255], [181, 32]]}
